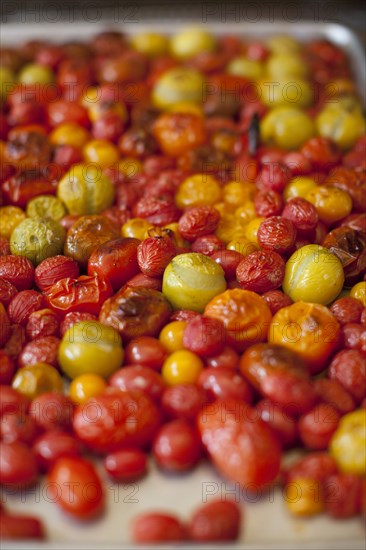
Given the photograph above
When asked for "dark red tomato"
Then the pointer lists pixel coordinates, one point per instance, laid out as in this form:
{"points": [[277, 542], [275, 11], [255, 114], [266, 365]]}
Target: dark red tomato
{"points": [[75, 317], [7, 292], [276, 299], [332, 392], [242, 447], [354, 336], [197, 222], [156, 527], [297, 163], [347, 310], [23, 186], [12, 402], [115, 261], [177, 446], [7, 368], [273, 176], [126, 465], [317, 426], [315, 465], [63, 111], [144, 280], [215, 521], [268, 203], [23, 304], [154, 254], [18, 466], [116, 419], [19, 427], [207, 245], [183, 401], [277, 233], [342, 495], [302, 214], [52, 445], [228, 359], [204, 336], [52, 269], [5, 329], [52, 410], [17, 527], [280, 375], [4, 243], [282, 424], [138, 377], [349, 368], [76, 487], [228, 260], [222, 383], [321, 152], [42, 350], [108, 127], [261, 271], [43, 322], [16, 341], [147, 351], [159, 211], [26, 113], [19, 271], [84, 294]]}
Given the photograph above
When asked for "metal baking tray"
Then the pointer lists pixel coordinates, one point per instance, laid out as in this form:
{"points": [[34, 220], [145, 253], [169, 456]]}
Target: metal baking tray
{"points": [[266, 525]]}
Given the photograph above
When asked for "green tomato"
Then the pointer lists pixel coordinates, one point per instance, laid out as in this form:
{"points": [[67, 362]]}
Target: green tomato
{"points": [[285, 92], [37, 239], [286, 65], [85, 190], [247, 68], [178, 85], [89, 347], [46, 206], [7, 82], [191, 280], [36, 74], [313, 274], [190, 42], [287, 127]]}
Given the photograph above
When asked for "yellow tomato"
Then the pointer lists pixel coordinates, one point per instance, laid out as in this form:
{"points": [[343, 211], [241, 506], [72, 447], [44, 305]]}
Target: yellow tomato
{"points": [[182, 367]]}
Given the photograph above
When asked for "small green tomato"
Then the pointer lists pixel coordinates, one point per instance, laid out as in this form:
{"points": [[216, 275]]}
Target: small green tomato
{"points": [[46, 206], [191, 280], [85, 190], [36, 74], [178, 85], [279, 92], [286, 65], [287, 127], [89, 347], [37, 239], [192, 41], [313, 274], [342, 126]]}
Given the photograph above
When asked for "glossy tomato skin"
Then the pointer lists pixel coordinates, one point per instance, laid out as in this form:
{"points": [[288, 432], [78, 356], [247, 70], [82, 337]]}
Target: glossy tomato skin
{"points": [[283, 425], [75, 317], [84, 294], [41, 350], [147, 351], [222, 383], [19, 427], [157, 527], [177, 446], [138, 377], [52, 445], [317, 426], [17, 527], [115, 261], [215, 521], [12, 401], [116, 419], [76, 487], [204, 336], [317, 465], [18, 466], [183, 401], [126, 465], [242, 447], [52, 410]]}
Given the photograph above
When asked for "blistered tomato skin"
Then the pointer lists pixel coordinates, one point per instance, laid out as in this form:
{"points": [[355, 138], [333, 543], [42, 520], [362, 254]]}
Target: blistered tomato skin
{"points": [[17, 270], [84, 294], [261, 271], [51, 270], [23, 305], [348, 367], [154, 254], [277, 233]]}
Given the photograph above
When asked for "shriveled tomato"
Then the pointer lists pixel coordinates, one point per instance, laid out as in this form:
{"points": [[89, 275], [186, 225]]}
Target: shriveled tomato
{"points": [[84, 294]]}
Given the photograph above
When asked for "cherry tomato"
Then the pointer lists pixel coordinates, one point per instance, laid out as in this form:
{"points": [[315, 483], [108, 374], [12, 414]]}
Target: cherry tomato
{"points": [[52, 410], [215, 521], [156, 527], [18, 466], [84, 294], [147, 351], [177, 446], [126, 465], [52, 445], [138, 377], [16, 527]]}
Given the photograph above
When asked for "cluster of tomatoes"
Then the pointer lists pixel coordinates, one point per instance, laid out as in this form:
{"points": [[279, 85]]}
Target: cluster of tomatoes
{"points": [[186, 245]]}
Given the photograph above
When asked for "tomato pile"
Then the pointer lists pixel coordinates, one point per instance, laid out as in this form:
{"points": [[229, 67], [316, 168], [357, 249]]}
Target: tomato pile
{"points": [[182, 272]]}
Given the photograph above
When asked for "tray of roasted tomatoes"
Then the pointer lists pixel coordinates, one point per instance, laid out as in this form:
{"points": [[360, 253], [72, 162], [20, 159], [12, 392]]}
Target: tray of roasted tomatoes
{"points": [[182, 286]]}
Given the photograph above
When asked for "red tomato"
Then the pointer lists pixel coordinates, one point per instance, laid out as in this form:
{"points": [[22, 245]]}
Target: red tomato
{"points": [[17, 464], [76, 487], [241, 445], [44, 350], [147, 351], [204, 335], [116, 419], [126, 465], [12, 402], [157, 527], [315, 465], [228, 359], [177, 446], [18, 427], [317, 426], [15, 527], [115, 261], [84, 294], [17, 270], [52, 269], [7, 368], [183, 401], [23, 304], [283, 425], [342, 495], [52, 445], [138, 377], [221, 383], [52, 410], [215, 521]]}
